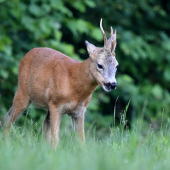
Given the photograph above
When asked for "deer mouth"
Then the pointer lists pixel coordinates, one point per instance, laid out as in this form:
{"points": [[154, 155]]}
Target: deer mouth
{"points": [[107, 87]]}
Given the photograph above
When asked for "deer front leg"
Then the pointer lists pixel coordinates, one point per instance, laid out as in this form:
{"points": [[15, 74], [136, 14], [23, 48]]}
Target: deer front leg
{"points": [[78, 125], [55, 119]]}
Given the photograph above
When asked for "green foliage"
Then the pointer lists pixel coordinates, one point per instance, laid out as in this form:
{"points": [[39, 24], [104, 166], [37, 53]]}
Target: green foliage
{"points": [[143, 49]]}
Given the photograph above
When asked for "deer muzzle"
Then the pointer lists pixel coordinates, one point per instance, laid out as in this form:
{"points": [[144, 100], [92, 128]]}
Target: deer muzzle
{"points": [[110, 86], [113, 85]]}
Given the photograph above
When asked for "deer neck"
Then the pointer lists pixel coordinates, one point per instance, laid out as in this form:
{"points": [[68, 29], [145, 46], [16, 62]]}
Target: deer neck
{"points": [[82, 79]]}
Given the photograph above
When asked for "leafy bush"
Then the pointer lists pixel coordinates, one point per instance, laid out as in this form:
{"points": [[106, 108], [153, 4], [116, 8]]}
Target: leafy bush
{"points": [[143, 49]]}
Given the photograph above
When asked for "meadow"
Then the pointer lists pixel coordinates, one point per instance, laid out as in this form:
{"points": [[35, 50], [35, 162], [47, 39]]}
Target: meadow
{"points": [[142, 147]]}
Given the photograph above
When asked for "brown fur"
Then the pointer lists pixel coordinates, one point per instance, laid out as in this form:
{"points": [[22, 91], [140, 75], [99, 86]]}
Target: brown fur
{"points": [[52, 80]]}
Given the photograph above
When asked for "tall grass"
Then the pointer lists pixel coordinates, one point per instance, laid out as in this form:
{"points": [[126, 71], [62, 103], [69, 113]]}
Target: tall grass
{"points": [[139, 148]]}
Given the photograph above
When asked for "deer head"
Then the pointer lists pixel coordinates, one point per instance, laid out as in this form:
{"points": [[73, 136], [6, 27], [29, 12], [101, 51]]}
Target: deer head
{"points": [[103, 64]]}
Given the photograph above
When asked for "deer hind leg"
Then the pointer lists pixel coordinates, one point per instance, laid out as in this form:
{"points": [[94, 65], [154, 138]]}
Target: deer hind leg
{"points": [[47, 127], [20, 103]]}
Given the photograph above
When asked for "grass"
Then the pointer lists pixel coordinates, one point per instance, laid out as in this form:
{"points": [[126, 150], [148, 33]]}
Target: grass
{"points": [[138, 148]]}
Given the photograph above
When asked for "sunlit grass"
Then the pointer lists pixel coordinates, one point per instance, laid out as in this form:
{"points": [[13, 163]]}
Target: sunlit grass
{"points": [[138, 148]]}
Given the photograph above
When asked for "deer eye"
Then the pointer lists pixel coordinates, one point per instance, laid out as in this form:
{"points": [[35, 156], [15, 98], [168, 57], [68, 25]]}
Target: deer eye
{"points": [[100, 66]]}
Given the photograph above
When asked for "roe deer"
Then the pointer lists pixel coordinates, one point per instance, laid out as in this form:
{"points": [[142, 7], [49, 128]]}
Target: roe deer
{"points": [[54, 81]]}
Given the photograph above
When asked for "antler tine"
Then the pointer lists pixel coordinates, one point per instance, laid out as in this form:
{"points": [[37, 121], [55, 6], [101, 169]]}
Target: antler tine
{"points": [[104, 35], [115, 35], [111, 32], [112, 40]]}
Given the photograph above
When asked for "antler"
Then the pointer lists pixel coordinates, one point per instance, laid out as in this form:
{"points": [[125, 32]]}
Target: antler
{"points": [[113, 40], [104, 35]]}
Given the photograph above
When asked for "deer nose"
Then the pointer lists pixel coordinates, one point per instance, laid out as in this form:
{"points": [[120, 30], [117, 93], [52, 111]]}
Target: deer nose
{"points": [[113, 85]]}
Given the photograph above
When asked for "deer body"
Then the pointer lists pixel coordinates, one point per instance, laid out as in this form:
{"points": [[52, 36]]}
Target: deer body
{"points": [[54, 81], [52, 76]]}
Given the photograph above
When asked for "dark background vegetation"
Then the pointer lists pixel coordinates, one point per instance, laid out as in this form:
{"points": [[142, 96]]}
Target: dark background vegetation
{"points": [[143, 51]]}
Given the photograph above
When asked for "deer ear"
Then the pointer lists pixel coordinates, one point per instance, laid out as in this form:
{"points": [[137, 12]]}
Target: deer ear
{"points": [[90, 47]]}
